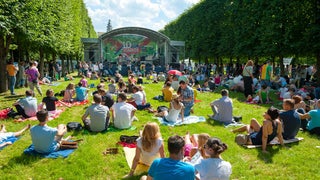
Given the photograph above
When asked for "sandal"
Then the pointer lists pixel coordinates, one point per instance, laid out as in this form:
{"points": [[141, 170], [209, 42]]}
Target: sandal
{"points": [[110, 151]]}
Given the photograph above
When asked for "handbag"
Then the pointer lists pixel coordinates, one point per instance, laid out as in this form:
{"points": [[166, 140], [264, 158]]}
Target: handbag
{"points": [[74, 126]]}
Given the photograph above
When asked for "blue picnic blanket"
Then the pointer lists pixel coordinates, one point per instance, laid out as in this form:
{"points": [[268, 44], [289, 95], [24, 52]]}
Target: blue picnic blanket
{"points": [[11, 139], [186, 120], [60, 153]]}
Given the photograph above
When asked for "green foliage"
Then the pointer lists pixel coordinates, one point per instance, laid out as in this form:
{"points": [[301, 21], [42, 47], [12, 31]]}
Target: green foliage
{"points": [[87, 162], [248, 29]]}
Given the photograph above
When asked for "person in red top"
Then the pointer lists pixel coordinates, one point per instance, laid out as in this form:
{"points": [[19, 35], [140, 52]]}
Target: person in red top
{"points": [[12, 71]]}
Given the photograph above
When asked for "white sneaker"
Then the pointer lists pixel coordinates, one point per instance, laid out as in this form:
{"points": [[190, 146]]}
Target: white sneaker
{"points": [[134, 118]]}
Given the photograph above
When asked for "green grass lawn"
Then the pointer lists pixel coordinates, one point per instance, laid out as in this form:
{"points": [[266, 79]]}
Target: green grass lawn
{"points": [[300, 161]]}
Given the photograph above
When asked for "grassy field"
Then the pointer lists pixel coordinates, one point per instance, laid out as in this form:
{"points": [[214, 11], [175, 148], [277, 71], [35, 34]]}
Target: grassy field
{"points": [[299, 161]]}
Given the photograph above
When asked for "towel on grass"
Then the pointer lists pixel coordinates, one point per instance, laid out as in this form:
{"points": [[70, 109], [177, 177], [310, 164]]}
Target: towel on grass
{"points": [[10, 139], [186, 120], [52, 115], [275, 141], [60, 153], [130, 153], [76, 103], [114, 129]]}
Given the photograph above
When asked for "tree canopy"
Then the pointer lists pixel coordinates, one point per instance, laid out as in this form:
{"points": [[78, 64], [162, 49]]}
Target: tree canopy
{"points": [[214, 29], [42, 28]]}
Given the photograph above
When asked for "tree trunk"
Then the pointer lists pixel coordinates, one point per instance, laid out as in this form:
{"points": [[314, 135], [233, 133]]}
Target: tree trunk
{"points": [[63, 57], [281, 65], [4, 48], [41, 63], [68, 64]]}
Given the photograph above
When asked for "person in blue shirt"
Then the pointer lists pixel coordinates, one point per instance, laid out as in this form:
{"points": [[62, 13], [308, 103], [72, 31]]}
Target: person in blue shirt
{"points": [[313, 125], [44, 138], [81, 92], [173, 167]]}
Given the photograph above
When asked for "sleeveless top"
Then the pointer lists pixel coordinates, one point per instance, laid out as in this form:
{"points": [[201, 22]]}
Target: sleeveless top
{"points": [[173, 114], [256, 137]]}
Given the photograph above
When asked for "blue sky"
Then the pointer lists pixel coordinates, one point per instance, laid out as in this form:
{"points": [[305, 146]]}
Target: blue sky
{"points": [[151, 14]]}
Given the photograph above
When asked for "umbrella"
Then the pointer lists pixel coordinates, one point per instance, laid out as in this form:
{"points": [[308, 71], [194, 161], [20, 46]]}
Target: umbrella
{"points": [[175, 72]]}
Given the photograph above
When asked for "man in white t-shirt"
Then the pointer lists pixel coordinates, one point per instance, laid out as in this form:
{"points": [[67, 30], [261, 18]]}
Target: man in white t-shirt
{"points": [[122, 112]]}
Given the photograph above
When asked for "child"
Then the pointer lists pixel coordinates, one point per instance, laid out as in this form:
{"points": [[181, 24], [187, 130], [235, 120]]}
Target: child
{"points": [[214, 167], [263, 94], [149, 146], [6, 138], [112, 87], [83, 81], [69, 93], [140, 80], [50, 101], [81, 92], [193, 149]]}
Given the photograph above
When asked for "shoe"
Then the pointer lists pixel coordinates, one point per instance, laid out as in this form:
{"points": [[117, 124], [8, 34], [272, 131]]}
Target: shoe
{"points": [[13, 94], [134, 118], [210, 116]]}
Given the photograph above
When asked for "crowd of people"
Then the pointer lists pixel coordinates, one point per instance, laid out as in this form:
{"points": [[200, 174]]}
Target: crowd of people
{"points": [[197, 154]]}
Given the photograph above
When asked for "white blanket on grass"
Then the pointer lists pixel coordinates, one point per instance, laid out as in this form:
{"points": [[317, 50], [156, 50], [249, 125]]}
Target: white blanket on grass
{"points": [[186, 120]]}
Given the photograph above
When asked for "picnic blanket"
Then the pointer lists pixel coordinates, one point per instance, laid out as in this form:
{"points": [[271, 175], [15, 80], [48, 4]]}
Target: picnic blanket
{"points": [[130, 153], [4, 113], [52, 115], [275, 141], [76, 103], [11, 139], [186, 120], [60, 153]]}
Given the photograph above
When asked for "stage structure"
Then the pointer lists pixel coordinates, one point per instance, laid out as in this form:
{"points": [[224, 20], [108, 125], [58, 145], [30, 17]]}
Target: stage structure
{"points": [[133, 44]]}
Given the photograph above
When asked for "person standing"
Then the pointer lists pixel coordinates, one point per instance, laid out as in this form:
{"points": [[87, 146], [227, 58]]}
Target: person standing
{"points": [[186, 97], [33, 77], [266, 71], [21, 74], [247, 74], [12, 71]]}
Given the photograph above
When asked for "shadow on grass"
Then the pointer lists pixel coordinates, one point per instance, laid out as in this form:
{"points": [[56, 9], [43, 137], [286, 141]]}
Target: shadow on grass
{"points": [[213, 122], [136, 177], [22, 159], [13, 97]]}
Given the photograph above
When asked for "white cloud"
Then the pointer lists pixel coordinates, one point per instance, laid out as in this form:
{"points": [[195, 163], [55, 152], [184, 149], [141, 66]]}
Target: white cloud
{"points": [[152, 14]]}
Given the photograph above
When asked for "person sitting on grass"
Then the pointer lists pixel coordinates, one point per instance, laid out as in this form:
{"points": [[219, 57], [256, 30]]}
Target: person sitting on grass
{"points": [[81, 93], [262, 135], [46, 139], [194, 145], [6, 136], [69, 93], [313, 124], [214, 167], [137, 99], [149, 146], [27, 107], [112, 87], [172, 167], [263, 94], [99, 116], [290, 119], [50, 101], [122, 112], [175, 108], [167, 92], [222, 108], [83, 81]]}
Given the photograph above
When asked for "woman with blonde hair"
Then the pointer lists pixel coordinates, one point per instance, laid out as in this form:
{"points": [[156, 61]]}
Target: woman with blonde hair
{"points": [[193, 149], [247, 74], [149, 146]]}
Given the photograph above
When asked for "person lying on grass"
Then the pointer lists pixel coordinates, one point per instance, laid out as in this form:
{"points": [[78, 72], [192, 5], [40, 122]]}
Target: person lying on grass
{"points": [[4, 135], [262, 135], [47, 139]]}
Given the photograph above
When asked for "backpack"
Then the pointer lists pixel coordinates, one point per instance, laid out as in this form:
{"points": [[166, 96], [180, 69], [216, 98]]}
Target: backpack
{"points": [[74, 126]]}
